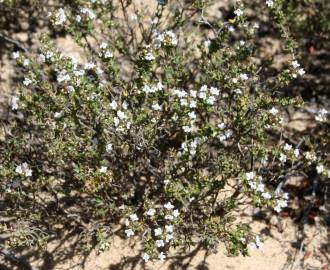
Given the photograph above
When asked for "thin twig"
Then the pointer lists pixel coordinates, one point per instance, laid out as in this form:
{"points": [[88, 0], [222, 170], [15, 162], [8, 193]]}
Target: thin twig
{"points": [[12, 41], [21, 262]]}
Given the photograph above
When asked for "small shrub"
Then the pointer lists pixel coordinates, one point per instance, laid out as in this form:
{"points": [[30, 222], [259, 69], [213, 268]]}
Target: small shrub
{"points": [[167, 129]]}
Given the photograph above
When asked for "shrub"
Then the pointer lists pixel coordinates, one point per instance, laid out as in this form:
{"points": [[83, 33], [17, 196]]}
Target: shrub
{"points": [[168, 129]]}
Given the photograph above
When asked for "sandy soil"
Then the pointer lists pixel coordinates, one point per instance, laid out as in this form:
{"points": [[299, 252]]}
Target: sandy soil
{"points": [[285, 247]]}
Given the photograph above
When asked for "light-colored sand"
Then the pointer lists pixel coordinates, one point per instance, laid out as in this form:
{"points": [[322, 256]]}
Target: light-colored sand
{"points": [[277, 253]]}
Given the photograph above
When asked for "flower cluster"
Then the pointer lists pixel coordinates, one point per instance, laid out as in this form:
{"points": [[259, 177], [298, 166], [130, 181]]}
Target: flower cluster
{"points": [[23, 169], [255, 184], [167, 38], [160, 231], [322, 116], [297, 70]]}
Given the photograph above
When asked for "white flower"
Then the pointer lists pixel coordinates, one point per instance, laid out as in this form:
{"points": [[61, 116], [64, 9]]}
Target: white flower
{"points": [[156, 107], [70, 89], [259, 243], [183, 102], [129, 232], [49, 54], [28, 172], [58, 115], [166, 182], [158, 231], [287, 147], [116, 121], [108, 54], [160, 243], [179, 93], [151, 212], [27, 81], [210, 100], [79, 72], [301, 71], [74, 62], [14, 105], [222, 126], [266, 195], [159, 86], [168, 238], [281, 203], [113, 105], [243, 76], [283, 157], [90, 14], [187, 129], [310, 156], [193, 93], [169, 37], [103, 45], [238, 12], [63, 77], [169, 206], [253, 185], [41, 58], [228, 134], [147, 89], [89, 65], [176, 213], [296, 152], [145, 257], [26, 62], [121, 114], [16, 55], [202, 95], [149, 56], [24, 169], [126, 222], [286, 197], [243, 240], [250, 175], [169, 217], [269, 3], [99, 71], [60, 17], [234, 80], [261, 187], [134, 217], [103, 169], [207, 44], [162, 256], [231, 28], [169, 228], [214, 91], [252, 245], [273, 111], [320, 168], [192, 115], [295, 64], [238, 91], [19, 169], [78, 18], [108, 148], [203, 88], [322, 115]]}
